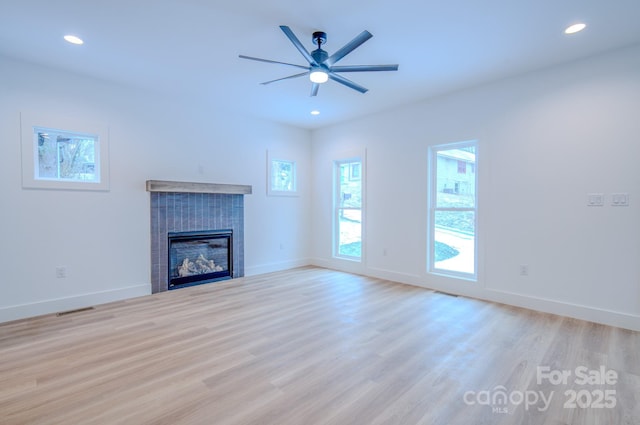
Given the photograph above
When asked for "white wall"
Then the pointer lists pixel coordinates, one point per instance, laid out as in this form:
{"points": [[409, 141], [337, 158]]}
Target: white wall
{"points": [[546, 140], [102, 238]]}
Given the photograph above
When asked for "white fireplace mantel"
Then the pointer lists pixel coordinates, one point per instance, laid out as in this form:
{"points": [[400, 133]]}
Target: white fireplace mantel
{"points": [[194, 187]]}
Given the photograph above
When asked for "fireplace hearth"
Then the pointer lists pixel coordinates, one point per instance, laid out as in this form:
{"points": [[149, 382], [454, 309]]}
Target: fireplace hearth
{"points": [[199, 257]]}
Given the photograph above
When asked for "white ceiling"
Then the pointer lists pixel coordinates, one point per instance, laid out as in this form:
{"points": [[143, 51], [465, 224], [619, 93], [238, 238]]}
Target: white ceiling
{"points": [[191, 47]]}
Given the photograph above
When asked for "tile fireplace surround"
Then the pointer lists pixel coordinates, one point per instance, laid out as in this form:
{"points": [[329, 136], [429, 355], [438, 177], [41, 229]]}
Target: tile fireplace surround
{"points": [[187, 206]]}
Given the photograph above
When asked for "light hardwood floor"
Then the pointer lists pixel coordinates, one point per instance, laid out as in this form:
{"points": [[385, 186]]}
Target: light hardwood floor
{"points": [[310, 346]]}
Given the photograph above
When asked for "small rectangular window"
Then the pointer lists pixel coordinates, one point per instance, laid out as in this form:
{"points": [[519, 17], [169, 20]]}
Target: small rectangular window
{"points": [[66, 156], [282, 177], [64, 153]]}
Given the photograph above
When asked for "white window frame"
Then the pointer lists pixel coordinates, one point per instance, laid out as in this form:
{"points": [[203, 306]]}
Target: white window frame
{"points": [[30, 123], [432, 208], [337, 208]]}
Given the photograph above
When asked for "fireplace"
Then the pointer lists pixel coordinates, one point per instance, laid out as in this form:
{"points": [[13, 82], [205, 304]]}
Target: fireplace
{"points": [[199, 257], [188, 208]]}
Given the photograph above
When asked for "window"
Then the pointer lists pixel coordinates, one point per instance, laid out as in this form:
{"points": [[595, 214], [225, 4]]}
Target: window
{"points": [[348, 209], [64, 153], [453, 210], [281, 176], [65, 156], [354, 169]]}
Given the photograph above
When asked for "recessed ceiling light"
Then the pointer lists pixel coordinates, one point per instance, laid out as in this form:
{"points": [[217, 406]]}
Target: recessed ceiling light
{"points": [[315, 112], [73, 39], [575, 28]]}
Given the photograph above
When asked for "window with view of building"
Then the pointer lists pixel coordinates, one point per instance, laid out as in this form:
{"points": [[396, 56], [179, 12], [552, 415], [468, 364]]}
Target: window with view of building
{"points": [[348, 209], [355, 171], [453, 210]]}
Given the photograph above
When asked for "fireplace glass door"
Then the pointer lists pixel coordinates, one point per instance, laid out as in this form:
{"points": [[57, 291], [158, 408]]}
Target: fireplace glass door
{"points": [[199, 257]]}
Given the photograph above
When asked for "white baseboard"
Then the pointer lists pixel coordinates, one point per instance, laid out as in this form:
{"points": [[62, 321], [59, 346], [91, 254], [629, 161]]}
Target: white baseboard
{"points": [[347, 266], [23, 311], [408, 278], [545, 305], [275, 267], [592, 314], [576, 311]]}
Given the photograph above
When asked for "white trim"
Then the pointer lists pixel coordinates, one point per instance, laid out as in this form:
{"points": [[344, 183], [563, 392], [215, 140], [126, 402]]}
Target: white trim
{"points": [[276, 267], [57, 305], [461, 288], [577, 311], [340, 264]]}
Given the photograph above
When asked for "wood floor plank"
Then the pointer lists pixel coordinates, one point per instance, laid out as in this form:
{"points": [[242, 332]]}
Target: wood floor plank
{"points": [[310, 346]]}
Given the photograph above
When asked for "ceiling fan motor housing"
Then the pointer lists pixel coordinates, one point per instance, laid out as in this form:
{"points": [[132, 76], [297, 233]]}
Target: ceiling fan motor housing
{"points": [[320, 56]]}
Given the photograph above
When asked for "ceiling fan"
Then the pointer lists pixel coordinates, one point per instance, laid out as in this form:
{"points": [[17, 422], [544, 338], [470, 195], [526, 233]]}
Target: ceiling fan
{"points": [[321, 66]]}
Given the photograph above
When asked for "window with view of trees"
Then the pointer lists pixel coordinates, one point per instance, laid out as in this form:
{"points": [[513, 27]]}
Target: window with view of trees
{"points": [[283, 175], [348, 209], [453, 210], [63, 152], [65, 156]]}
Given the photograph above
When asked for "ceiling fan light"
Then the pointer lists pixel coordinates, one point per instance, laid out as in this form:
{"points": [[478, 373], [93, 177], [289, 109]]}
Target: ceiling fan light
{"points": [[318, 76]]}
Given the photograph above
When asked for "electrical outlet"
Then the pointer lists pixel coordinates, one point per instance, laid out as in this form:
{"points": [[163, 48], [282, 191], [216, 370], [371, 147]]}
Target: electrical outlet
{"points": [[524, 270], [61, 272]]}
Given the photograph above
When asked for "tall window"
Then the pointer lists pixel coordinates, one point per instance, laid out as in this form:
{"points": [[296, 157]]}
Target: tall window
{"points": [[348, 209], [453, 210]]}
